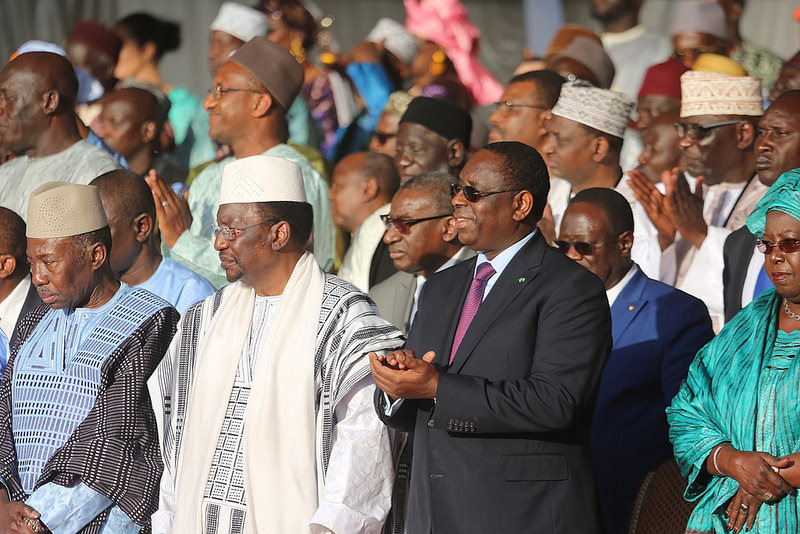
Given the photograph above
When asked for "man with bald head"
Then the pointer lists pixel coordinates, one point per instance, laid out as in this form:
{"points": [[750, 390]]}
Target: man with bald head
{"points": [[17, 294], [136, 249], [363, 184], [130, 123], [656, 332], [433, 136], [247, 110], [38, 91], [777, 150]]}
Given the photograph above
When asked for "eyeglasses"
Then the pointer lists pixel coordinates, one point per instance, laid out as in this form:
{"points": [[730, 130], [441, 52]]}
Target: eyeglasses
{"points": [[383, 137], [696, 51], [698, 132], [785, 245], [216, 92], [581, 247], [508, 105], [404, 225], [473, 195], [230, 234]]}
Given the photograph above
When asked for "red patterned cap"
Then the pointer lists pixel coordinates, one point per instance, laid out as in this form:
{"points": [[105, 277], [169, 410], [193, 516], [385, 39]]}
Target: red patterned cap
{"points": [[663, 79]]}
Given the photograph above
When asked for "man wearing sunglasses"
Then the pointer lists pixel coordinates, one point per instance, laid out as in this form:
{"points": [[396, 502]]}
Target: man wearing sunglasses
{"points": [[422, 240], [717, 129], [501, 366], [656, 330], [777, 150]]}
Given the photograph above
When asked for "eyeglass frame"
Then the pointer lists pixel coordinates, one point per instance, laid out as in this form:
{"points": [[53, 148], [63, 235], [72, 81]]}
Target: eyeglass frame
{"points": [[217, 91], [217, 229], [704, 128], [383, 137], [476, 194], [766, 247], [580, 244], [388, 222], [508, 105]]}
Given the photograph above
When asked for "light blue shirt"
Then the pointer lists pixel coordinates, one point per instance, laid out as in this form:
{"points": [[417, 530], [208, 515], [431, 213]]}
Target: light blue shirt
{"points": [[501, 261], [4, 351], [178, 285]]}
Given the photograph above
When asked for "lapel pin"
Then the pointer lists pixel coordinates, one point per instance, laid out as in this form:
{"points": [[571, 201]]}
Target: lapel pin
{"points": [[631, 307], [521, 279]]}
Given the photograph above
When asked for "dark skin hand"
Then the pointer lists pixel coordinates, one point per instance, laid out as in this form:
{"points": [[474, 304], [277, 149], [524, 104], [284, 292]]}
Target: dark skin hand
{"points": [[684, 208], [738, 518], [654, 204], [401, 375], [172, 211], [11, 514]]}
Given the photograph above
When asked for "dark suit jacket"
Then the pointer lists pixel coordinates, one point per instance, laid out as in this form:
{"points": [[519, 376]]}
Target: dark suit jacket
{"points": [[656, 331], [505, 446], [32, 300], [737, 252]]}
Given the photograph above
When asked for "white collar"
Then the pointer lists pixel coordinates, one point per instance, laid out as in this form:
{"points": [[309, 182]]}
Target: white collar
{"points": [[630, 34], [614, 292]]}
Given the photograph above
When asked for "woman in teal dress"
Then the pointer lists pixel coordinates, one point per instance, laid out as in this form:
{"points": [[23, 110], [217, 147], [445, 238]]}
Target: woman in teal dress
{"points": [[145, 39], [735, 423]]}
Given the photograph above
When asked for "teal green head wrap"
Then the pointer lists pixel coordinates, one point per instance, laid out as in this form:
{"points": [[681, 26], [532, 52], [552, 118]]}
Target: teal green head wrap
{"points": [[783, 195]]}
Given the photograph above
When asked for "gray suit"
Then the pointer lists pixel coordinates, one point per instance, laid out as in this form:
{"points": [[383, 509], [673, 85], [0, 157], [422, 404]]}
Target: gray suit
{"points": [[395, 299]]}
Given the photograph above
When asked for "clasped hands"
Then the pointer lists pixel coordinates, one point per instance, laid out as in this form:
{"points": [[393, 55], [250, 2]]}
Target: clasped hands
{"points": [[760, 479], [13, 513], [401, 375], [678, 209]]}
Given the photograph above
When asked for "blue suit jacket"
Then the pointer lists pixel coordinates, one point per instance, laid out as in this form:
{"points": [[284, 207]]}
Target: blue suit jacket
{"points": [[656, 331]]}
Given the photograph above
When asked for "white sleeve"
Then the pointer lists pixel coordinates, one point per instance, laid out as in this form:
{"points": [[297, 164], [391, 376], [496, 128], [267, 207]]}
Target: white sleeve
{"points": [[162, 518], [358, 485], [704, 275]]}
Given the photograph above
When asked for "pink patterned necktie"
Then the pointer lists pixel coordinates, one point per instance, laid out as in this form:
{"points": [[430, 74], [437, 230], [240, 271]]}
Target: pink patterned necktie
{"points": [[471, 305]]}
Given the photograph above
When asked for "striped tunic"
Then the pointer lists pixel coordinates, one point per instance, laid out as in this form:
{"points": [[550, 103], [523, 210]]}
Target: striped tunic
{"points": [[742, 387]]}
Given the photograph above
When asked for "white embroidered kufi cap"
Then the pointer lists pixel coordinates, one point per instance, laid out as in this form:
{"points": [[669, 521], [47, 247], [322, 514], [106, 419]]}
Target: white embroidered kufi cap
{"points": [[603, 110], [242, 22], [261, 179], [395, 37], [712, 93], [60, 209]]}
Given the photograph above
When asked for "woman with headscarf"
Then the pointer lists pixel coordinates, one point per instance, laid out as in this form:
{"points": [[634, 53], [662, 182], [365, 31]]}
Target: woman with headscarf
{"points": [[735, 423], [145, 39]]}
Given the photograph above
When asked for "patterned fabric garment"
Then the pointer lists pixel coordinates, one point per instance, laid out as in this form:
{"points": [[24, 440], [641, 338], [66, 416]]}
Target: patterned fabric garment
{"points": [[348, 328], [96, 385], [224, 503], [749, 368]]}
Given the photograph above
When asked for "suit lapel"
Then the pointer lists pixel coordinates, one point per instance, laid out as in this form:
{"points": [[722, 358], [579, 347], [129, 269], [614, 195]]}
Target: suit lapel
{"points": [[522, 269], [627, 305]]}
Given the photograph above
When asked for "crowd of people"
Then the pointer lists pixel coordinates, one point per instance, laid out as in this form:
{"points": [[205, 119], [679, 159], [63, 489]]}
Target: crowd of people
{"points": [[326, 297]]}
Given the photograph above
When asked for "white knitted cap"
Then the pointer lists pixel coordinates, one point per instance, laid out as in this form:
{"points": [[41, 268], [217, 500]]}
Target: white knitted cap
{"points": [[261, 179], [242, 22]]}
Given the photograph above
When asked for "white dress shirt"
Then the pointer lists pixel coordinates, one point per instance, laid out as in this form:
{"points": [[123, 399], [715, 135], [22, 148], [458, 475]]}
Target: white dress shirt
{"points": [[11, 306]]}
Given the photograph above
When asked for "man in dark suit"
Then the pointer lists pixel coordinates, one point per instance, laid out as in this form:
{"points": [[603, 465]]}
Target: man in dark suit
{"points": [[17, 294], [777, 149], [656, 331], [501, 397]]}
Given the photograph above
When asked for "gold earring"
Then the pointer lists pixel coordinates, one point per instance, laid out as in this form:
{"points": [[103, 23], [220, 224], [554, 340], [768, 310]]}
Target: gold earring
{"points": [[437, 65], [297, 50]]}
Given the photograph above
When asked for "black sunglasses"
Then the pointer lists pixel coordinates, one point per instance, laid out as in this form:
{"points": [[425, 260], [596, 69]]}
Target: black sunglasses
{"points": [[699, 131], [785, 245], [473, 195], [404, 225], [383, 137], [581, 247]]}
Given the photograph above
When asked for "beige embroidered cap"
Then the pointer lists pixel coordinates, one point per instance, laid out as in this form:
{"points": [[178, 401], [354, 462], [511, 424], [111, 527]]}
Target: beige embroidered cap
{"points": [[60, 209], [600, 109], [712, 93], [261, 179]]}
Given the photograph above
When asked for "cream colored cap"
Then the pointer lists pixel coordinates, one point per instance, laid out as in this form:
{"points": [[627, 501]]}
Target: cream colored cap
{"points": [[712, 93], [261, 179], [60, 209], [241, 21]]}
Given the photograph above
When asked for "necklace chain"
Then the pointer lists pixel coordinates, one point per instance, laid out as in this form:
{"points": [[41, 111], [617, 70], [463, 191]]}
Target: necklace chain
{"points": [[790, 313]]}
